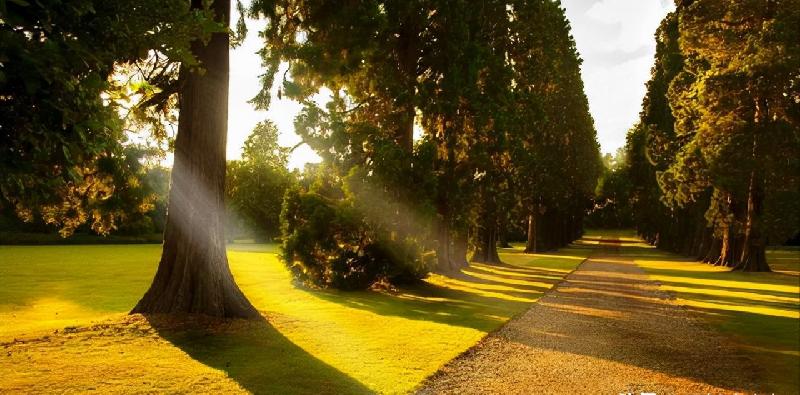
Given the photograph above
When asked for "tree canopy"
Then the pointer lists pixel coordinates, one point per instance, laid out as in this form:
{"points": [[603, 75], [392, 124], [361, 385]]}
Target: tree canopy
{"points": [[718, 143], [496, 95]]}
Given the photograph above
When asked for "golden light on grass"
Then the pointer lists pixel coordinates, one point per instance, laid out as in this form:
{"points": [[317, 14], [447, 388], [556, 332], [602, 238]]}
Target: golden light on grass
{"points": [[345, 342]]}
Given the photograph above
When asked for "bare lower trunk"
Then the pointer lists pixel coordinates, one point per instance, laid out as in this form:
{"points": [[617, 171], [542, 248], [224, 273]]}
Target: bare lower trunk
{"points": [[714, 251], [451, 251], [502, 234], [193, 275], [726, 254], [458, 259], [753, 258], [486, 251], [530, 246]]}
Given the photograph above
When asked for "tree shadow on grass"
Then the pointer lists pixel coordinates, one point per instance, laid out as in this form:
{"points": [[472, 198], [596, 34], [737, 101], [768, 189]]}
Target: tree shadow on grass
{"points": [[428, 302], [255, 355], [482, 296]]}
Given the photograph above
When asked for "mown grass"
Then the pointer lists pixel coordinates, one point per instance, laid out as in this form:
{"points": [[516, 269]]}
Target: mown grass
{"points": [[760, 311], [309, 342]]}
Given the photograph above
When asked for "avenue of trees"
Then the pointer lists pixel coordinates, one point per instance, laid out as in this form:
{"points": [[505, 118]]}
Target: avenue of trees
{"points": [[714, 162], [505, 133], [445, 124]]}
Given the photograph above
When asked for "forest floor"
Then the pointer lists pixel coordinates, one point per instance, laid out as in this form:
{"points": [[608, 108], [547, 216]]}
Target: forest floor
{"points": [[632, 319], [63, 326]]}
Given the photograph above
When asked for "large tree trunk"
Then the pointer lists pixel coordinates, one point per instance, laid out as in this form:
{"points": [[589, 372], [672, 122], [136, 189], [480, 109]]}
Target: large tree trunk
{"points": [[486, 251], [193, 275], [753, 258], [451, 249]]}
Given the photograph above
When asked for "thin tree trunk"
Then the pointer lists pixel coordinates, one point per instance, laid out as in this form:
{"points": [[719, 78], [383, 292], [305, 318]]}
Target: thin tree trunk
{"points": [[530, 245], [705, 243], [193, 275], [502, 233], [408, 53]]}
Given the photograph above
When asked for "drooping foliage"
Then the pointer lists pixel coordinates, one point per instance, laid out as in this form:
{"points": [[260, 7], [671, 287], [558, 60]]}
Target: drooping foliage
{"points": [[718, 142], [66, 84]]}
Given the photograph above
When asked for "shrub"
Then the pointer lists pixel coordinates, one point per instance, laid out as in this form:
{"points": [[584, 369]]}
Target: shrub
{"points": [[329, 243]]}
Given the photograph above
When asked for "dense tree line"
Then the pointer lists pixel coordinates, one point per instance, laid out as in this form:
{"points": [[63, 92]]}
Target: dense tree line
{"points": [[715, 159], [612, 206], [493, 87]]}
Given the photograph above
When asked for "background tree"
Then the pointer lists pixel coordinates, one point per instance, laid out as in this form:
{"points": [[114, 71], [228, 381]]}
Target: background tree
{"points": [[453, 65], [256, 184], [555, 156]]}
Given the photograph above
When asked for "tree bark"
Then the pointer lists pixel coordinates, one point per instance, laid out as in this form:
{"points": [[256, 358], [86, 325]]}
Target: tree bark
{"points": [[753, 258], [451, 250], [407, 56], [530, 246], [193, 276], [714, 250], [726, 254], [486, 251]]}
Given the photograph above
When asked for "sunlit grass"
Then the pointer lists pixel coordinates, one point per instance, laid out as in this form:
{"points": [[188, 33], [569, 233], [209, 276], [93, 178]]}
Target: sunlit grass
{"points": [[761, 311], [312, 341]]}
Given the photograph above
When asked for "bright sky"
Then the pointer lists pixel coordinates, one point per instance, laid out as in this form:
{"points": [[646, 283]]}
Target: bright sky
{"points": [[614, 38]]}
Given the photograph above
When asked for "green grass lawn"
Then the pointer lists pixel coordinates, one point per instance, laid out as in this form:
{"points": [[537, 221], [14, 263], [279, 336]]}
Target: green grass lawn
{"points": [[310, 341], [759, 311]]}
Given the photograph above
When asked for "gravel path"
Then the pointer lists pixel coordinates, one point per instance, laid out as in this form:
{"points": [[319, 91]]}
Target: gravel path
{"points": [[605, 329]]}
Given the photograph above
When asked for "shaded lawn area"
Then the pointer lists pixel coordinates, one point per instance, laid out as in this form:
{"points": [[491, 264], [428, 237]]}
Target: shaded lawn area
{"points": [[309, 342], [784, 260], [760, 311]]}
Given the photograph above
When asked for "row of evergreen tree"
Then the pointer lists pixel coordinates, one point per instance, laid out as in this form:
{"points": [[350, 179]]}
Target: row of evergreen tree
{"points": [[715, 159], [503, 132]]}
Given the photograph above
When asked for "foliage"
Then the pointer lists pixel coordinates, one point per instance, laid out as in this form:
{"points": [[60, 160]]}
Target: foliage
{"points": [[328, 242], [137, 205], [719, 132], [612, 208], [61, 132], [255, 185], [474, 80]]}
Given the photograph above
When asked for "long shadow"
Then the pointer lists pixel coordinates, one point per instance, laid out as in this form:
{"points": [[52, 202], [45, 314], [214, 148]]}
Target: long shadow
{"points": [[701, 287], [472, 307], [475, 279], [255, 355], [665, 357], [677, 274], [638, 338], [538, 275], [433, 303]]}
